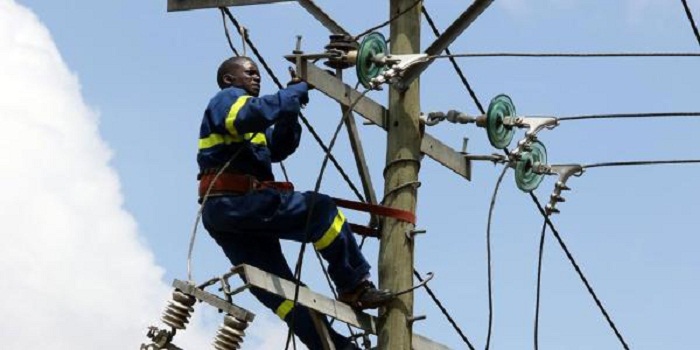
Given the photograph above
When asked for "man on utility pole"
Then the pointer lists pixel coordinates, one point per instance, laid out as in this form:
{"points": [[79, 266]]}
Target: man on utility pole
{"points": [[402, 165]]}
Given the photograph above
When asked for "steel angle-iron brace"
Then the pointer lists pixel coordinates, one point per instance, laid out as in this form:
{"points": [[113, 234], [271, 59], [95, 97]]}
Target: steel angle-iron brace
{"points": [[179, 310]]}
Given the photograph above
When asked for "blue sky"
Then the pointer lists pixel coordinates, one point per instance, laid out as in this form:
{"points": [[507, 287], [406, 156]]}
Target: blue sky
{"points": [[149, 74]]}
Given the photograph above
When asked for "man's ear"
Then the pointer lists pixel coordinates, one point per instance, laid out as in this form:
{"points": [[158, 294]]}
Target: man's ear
{"points": [[228, 79]]}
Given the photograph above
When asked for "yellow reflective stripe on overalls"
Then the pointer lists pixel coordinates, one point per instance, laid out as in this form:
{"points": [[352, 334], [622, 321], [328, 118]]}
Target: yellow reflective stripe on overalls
{"points": [[217, 139], [284, 309], [259, 138], [214, 139], [331, 233], [233, 114]]}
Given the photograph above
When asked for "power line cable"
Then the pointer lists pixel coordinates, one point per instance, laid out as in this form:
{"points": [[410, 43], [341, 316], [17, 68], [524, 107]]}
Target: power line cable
{"points": [[579, 272], [392, 19], [456, 67], [492, 205], [632, 115], [539, 284], [568, 55], [444, 310], [644, 162], [691, 20], [228, 35]]}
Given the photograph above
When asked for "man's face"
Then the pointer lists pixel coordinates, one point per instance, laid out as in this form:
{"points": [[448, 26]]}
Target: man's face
{"points": [[247, 77]]}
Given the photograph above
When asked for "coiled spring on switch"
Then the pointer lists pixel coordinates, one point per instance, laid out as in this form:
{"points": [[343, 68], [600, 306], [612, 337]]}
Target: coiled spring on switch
{"points": [[179, 310], [230, 335]]}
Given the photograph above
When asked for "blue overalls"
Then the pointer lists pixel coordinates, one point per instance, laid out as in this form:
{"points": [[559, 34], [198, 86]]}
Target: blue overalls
{"points": [[249, 226]]}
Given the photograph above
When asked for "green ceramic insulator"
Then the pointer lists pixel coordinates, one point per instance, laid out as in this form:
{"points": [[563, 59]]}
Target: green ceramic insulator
{"points": [[373, 45], [526, 179], [500, 135]]}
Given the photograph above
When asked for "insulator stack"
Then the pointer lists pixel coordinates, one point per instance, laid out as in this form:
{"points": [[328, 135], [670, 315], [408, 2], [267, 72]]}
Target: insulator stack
{"points": [[230, 335], [179, 310]]}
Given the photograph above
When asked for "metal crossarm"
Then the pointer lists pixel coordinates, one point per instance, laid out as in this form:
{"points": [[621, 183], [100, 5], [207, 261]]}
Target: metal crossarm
{"points": [[322, 304], [322, 17], [376, 113], [184, 5], [214, 301], [308, 5]]}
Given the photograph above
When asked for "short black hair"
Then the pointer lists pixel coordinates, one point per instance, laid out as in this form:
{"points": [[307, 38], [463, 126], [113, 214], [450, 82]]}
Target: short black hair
{"points": [[227, 66]]}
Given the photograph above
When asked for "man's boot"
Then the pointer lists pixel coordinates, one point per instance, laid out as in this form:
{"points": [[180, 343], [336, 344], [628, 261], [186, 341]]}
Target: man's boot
{"points": [[366, 296]]}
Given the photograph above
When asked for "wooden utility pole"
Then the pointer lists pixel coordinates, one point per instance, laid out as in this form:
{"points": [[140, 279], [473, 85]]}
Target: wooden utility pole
{"points": [[402, 165]]}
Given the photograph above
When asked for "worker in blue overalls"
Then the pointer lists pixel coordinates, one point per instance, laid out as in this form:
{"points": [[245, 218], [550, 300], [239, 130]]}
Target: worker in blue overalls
{"points": [[247, 213]]}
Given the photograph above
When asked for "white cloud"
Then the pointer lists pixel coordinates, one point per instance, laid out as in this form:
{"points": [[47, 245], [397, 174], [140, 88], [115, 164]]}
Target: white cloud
{"points": [[75, 274]]}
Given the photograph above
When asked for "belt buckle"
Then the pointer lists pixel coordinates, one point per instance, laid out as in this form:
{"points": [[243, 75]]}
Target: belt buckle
{"points": [[253, 184]]}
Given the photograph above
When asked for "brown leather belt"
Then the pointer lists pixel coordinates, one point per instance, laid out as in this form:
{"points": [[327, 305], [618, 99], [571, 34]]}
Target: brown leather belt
{"points": [[228, 183]]}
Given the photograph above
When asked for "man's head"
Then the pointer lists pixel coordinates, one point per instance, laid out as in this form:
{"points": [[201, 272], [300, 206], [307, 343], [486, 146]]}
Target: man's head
{"points": [[240, 72]]}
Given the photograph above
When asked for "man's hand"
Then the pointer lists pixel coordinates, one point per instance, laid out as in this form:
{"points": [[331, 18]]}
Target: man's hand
{"points": [[295, 79]]}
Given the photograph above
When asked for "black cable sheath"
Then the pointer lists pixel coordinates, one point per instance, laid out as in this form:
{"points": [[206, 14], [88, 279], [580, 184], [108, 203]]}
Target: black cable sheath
{"points": [[632, 115], [642, 162], [579, 272], [444, 311], [567, 54], [691, 20], [539, 284], [462, 77], [384, 24], [492, 205]]}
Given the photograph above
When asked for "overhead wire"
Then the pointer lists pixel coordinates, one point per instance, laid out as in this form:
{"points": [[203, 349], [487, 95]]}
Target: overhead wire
{"points": [[581, 276], [567, 55], [632, 115], [228, 35], [444, 311], [539, 285], [492, 205], [456, 67], [643, 162], [386, 23], [691, 20]]}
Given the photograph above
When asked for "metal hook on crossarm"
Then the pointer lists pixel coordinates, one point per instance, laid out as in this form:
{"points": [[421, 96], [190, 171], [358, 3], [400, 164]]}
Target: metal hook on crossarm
{"points": [[429, 276]]}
